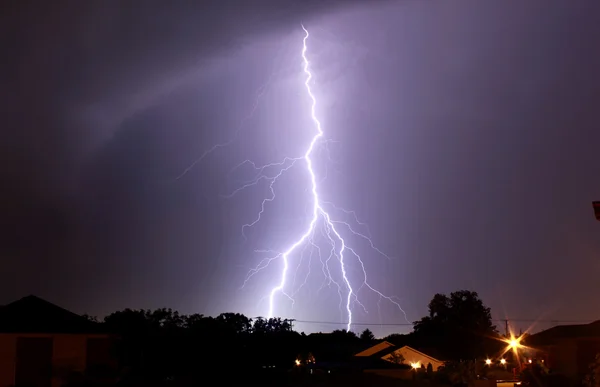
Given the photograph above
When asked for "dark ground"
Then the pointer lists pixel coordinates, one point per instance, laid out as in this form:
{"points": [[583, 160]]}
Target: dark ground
{"points": [[346, 380]]}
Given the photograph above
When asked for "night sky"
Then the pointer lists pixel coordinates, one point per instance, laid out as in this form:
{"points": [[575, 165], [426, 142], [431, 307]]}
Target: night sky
{"points": [[464, 133]]}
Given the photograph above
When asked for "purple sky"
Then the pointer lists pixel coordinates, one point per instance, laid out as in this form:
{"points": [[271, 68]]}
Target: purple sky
{"points": [[464, 134]]}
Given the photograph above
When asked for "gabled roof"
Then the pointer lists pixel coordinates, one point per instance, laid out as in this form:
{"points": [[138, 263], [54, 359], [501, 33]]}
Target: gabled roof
{"points": [[375, 349], [388, 348], [32, 314], [386, 351]]}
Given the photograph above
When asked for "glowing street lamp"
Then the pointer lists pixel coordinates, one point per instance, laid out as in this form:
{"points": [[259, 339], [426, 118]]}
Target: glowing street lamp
{"points": [[415, 365], [488, 361], [514, 343], [503, 361]]}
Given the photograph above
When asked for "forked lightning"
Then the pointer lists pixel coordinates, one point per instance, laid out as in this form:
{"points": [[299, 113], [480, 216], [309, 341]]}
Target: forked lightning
{"points": [[320, 219]]}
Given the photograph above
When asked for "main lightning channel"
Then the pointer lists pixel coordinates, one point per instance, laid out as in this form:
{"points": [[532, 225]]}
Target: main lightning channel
{"points": [[317, 209], [329, 226]]}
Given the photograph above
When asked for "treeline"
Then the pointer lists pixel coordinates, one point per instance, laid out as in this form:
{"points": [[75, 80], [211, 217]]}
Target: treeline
{"points": [[164, 343]]}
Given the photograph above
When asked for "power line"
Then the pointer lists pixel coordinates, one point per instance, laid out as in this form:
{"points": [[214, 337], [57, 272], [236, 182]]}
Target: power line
{"points": [[354, 323], [412, 324]]}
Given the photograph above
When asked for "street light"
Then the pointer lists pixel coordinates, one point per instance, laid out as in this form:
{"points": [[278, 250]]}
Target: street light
{"points": [[503, 361], [514, 343], [488, 361]]}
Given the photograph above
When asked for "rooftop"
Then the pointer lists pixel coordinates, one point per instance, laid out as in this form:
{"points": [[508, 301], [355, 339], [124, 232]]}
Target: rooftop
{"points": [[32, 314], [591, 330]]}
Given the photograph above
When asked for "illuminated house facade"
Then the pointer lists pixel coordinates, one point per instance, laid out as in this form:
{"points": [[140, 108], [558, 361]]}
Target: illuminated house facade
{"points": [[42, 345], [406, 355]]}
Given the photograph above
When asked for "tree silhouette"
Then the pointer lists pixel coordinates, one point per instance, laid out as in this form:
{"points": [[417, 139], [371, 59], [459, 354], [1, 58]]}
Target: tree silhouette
{"points": [[163, 343], [235, 323], [396, 358], [367, 336], [461, 373], [429, 370], [459, 325], [592, 379]]}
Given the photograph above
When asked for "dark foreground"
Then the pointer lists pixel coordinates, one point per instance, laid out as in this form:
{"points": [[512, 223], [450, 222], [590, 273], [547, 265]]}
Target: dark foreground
{"points": [[234, 379]]}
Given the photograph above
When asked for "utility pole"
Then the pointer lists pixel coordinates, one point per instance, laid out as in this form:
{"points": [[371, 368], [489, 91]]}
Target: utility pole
{"points": [[506, 333]]}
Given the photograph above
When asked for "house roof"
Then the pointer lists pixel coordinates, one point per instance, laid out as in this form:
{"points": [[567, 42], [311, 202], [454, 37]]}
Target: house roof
{"points": [[385, 351], [32, 314], [393, 348], [373, 349], [591, 330]]}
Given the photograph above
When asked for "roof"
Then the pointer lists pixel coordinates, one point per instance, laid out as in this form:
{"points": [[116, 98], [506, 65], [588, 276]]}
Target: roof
{"points": [[32, 314], [385, 351], [591, 330], [375, 349], [388, 348]]}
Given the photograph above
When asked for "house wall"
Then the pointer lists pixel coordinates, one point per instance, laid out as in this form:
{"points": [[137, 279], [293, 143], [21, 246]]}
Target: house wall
{"points": [[411, 356], [586, 354], [8, 348], [68, 354], [562, 357], [571, 357]]}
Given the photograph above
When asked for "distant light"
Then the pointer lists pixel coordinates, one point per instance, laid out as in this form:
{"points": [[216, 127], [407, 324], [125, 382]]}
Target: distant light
{"points": [[514, 343], [502, 361], [529, 360], [415, 365], [488, 361], [297, 362]]}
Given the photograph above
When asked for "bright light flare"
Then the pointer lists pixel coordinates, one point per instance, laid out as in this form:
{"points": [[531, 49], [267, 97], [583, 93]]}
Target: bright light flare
{"points": [[488, 361], [515, 345]]}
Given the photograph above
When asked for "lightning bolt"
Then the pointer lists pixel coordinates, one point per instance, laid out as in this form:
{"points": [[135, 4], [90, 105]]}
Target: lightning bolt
{"points": [[340, 250], [321, 219]]}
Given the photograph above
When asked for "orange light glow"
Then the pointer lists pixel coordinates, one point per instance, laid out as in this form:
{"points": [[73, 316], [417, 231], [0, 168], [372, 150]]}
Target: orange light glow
{"points": [[415, 365], [488, 361], [502, 361]]}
